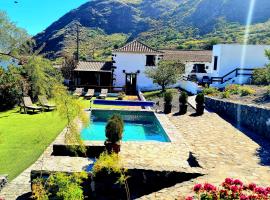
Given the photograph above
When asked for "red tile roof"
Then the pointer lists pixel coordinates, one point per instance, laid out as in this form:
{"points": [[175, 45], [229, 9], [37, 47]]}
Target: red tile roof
{"points": [[94, 66], [188, 55], [137, 47]]}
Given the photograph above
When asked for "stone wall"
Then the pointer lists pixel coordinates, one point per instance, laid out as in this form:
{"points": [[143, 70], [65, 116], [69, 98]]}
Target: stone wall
{"points": [[257, 118]]}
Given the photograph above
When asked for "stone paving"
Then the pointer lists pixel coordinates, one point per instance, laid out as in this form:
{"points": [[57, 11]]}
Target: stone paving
{"points": [[223, 151]]}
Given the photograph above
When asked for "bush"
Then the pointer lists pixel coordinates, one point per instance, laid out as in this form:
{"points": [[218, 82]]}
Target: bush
{"points": [[225, 95], [114, 129], [231, 189], [183, 98], [245, 91], [210, 91], [261, 76], [168, 97], [232, 89], [121, 96], [200, 99], [267, 94]]}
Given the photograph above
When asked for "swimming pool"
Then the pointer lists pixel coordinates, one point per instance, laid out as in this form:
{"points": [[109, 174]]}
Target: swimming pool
{"points": [[138, 126]]}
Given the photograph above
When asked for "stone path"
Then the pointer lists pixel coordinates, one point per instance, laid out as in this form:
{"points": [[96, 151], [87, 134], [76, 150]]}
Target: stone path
{"points": [[223, 151]]}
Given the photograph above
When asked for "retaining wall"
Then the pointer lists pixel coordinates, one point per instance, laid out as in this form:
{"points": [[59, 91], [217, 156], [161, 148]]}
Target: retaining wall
{"points": [[257, 118]]}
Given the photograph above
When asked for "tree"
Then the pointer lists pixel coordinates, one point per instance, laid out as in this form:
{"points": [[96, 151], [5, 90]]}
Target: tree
{"points": [[167, 73], [13, 39], [261, 76]]}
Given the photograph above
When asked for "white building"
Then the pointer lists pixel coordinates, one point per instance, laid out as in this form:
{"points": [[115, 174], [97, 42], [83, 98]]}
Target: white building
{"points": [[130, 62]]}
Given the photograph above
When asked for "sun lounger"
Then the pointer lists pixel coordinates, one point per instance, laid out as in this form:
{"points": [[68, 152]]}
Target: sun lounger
{"points": [[78, 92], [103, 94], [45, 103], [28, 105], [90, 93]]}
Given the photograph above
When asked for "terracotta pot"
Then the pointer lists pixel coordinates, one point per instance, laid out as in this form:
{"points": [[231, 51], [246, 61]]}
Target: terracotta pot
{"points": [[112, 147]]}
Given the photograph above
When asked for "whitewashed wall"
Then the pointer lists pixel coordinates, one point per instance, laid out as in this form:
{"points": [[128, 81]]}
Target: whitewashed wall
{"points": [[131, 63], [230, 56], [189, 66]]}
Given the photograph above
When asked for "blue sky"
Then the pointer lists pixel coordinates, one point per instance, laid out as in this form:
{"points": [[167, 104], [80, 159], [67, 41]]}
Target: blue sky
{"points": [[36, 15]]}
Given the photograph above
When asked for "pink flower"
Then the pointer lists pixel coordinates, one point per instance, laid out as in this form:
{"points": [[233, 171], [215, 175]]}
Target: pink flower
{"points": [[234, 188], [252, 186], [223, 193], [260, 190], [229, 181], [252, 197], [244, 197], [237, 182], [189, 198], [208, 187], [268, 190], [197, 187]]}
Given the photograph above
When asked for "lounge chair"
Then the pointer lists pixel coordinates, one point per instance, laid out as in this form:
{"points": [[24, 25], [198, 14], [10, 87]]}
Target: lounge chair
{"points": [[78, 92], [103, 94], [45, 103], [28, 105], [90, 93]]}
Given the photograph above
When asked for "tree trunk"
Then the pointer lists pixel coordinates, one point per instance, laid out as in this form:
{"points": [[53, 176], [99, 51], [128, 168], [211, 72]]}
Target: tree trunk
{"points": [[163, 88]]}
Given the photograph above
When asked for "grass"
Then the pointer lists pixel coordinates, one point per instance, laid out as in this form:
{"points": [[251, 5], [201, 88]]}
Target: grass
{"points": [[157, 93], [24, 137]]}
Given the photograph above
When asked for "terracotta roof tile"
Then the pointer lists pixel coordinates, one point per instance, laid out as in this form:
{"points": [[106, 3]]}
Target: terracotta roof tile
{"points": [[188, 56], [137, 47], [94, 66]]}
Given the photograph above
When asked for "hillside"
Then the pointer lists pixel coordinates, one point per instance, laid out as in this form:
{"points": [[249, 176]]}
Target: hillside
{"points": [[188, 24]]}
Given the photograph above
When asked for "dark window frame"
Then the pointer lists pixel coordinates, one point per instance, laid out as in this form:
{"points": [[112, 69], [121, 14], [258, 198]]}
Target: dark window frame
{"points": [[215, 62], [150, 60]]}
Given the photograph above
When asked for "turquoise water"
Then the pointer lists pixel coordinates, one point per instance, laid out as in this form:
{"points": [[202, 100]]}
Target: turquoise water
{"points": [[134, 130]]}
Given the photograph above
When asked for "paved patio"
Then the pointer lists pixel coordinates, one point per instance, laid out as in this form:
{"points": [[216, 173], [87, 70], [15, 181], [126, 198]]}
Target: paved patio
{"points": [[223, 151]]}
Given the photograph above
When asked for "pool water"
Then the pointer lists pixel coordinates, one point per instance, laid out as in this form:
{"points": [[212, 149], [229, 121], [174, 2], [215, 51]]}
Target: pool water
{"points": [[138, 126]]}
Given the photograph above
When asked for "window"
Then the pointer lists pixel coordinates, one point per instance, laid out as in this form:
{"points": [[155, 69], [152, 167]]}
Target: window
{"points": [[215, 62], [150, 60], [198, 68]]}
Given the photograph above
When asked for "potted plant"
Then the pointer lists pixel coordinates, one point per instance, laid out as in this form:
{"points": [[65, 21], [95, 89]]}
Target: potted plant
{"points": [[200, 104], [121, 96], [183, 99], [114, 132], [168, 102]]}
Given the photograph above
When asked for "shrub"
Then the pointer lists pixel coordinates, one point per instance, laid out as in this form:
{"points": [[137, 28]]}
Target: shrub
{"points": [[267, 94], [200, 99], [168, 97], [225, 95], [121, 96], [231, 189], [232, 89], [183, 98], [210, 91], [261, 76], [114, 129], [245, 91]]}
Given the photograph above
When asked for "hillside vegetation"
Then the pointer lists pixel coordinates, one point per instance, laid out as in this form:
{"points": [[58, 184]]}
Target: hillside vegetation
{"points": [[183, 24]]}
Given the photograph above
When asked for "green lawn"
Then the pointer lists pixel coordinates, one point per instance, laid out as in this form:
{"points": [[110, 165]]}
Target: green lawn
{"points": [[23, 138]]}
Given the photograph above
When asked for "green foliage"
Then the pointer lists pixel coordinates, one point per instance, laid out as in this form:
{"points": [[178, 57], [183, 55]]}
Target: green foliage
{"points": [[61, 186], [261, 76], [168, 97], [11, 37], [246, 90], [200, 99], [121, 96], [70, 109], [114, 129], [167, 73], [110, 164], [267, 94], [210, 91], [42, 76], [233, 89], [225, 95], [12, 86], [183, 98]]}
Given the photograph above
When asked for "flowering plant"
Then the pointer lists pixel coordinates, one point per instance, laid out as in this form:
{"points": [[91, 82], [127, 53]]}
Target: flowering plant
{"points": [[231, 189]]}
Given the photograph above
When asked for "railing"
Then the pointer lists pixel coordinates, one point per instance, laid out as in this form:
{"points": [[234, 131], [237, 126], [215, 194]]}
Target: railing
{"points": [[98, 88], [226, 77]]}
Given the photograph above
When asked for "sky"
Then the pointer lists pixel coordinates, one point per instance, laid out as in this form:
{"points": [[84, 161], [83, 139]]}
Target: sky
{"points": [[36, 15]]}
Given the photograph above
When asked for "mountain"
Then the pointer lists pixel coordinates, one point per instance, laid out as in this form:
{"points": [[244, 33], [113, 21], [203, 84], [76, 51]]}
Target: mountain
{"points": [[106, 24]]}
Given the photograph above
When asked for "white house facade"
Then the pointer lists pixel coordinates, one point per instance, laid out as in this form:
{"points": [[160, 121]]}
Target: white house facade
{"points": [[130, 62]]}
